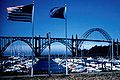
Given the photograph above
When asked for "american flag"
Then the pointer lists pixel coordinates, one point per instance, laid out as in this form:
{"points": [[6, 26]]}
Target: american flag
{"points": [[20, 13]]}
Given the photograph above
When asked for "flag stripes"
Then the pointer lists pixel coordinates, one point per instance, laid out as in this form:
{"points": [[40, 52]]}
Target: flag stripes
{"points": [[20, 13]]}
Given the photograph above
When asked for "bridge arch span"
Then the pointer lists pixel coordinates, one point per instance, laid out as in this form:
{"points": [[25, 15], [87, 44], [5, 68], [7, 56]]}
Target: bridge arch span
{"points": [[100, 30], [56, 48], [12, 41], [69, 47]]}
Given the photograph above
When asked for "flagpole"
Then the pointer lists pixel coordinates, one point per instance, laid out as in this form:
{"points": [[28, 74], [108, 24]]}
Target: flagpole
{"points": [[112, 49], [112, 56], [66, 39], [32, 39], [49, 36], [58, 13]]}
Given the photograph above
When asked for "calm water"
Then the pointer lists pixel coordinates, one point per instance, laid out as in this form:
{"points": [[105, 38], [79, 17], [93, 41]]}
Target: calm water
{"points": [[42, 65]]}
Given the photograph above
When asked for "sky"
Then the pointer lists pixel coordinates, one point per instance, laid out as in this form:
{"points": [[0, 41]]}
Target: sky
{"points": [[82, 15]]}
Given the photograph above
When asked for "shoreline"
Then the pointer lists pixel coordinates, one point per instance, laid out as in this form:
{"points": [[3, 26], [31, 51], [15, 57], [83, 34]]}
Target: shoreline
{"points": [[73, 76]]}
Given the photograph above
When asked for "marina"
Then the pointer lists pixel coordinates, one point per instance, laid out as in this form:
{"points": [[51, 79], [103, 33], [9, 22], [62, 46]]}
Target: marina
{"points": [[58, 65]]}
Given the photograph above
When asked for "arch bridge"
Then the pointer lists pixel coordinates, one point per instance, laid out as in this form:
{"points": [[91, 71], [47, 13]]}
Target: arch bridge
{"points": [[40, 43]]}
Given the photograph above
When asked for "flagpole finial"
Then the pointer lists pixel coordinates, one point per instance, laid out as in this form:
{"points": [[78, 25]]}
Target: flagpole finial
{"points": [[33, 1], [65, 5]]}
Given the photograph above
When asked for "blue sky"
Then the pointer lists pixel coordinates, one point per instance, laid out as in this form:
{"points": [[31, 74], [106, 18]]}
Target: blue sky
{"points": [[82, 15]]}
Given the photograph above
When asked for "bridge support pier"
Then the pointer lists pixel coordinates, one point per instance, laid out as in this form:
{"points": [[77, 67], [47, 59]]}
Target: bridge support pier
{"points": [[37, 46], [73, 53], [76, 46], [39, 43]]}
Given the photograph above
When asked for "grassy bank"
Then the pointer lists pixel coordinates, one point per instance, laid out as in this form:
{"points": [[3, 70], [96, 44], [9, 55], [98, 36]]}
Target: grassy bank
{"points": [[83, 76]]}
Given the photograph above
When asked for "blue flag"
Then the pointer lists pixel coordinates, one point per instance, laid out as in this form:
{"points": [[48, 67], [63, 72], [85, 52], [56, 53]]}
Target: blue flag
{"points": [[57, 12]]}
